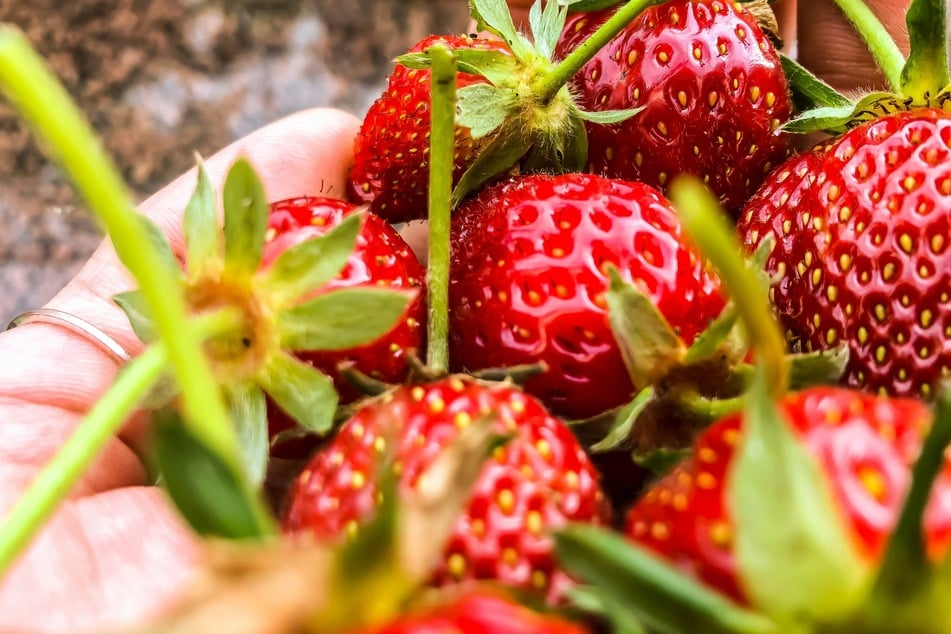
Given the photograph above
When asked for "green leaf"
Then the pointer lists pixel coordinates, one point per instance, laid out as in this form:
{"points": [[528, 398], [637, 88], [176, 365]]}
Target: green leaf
{"points": [[588, 5], [202, 233], [302, 391], [206, 492], [494, 16], [709, 342], [805, 566], [483, 108], [496, 66], [808, 90], [136, 310], [607, 117], [249, 411], [617, 616], [343, 319], [246, 217], [823, 367], [499, 155], [648, 344], [661, 461], [162, 247], [619, 435], [560, 152], [651, 590], [309, 265], [925, 72], [546, 26], [837, 119]]}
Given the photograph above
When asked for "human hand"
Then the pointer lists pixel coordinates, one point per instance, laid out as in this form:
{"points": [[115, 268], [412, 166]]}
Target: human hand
{"points": [[117, 552]]}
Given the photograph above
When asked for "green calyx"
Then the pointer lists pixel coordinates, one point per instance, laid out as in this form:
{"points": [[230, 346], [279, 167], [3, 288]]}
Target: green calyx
{"points": [[525, 115], [921, 81], [273, 311]]}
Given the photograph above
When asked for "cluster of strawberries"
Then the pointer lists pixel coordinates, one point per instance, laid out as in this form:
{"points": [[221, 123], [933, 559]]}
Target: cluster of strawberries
{"points": [[627, 371]]}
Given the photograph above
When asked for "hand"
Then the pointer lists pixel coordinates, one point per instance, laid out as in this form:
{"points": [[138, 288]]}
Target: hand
{"points": [[117, 551]]}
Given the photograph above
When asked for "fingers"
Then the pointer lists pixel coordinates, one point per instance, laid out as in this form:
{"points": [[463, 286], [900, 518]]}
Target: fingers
{"points": [[829, 46]]}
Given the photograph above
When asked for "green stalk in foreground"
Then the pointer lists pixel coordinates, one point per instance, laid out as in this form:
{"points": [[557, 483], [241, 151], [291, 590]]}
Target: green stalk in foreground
{"points": [[441, 151], [42, 101], [883, 48]]}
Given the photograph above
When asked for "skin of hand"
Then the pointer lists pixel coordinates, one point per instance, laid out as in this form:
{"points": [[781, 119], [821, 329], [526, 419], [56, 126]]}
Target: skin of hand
{"points": [[117, 552]]}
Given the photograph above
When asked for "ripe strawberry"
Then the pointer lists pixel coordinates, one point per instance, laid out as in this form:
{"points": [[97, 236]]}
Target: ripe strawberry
{"points": [[529, 277], [540, 480], [390, 169], [864, 250], [712, 88], [480, 612], [864, 446], [381, 258]]}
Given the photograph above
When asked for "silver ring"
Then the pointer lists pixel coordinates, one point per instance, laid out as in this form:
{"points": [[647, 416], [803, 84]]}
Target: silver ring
{"points": [[77, 325]]}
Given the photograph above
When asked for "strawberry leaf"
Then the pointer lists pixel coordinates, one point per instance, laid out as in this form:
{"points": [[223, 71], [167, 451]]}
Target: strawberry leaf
{"points": [[808, 90], [249, 412], [302, 391], [619, 435], [494, 16], [588, 5], [483, 108], [651, 590], [499, 155], [648, 344], [246, 216], [136, 311], [309, 265], [342, 319], [607, 117], [805, 566], [837, 119], [496, 66], [618, 617], [709, 342], [162, 247], [823, 367], [547, 25], [202, 233], [208, 494], [661, 461], [925, 73]]}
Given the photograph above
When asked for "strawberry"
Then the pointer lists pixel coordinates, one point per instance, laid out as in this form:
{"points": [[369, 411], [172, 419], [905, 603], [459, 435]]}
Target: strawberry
{"points": [[711, 87], [529, 282], [390, 170], [539, 480], [864, 445], [864, 251], [479, 612], [380, 258]]}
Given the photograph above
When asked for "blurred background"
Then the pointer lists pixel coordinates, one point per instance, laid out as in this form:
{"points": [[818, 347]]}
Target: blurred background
{"points": [[159, 79]]}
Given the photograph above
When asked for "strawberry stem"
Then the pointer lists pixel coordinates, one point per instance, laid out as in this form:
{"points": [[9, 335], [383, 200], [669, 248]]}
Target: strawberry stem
{"points": [[441, 160], [887, 55], [551, 83], [706, 222], [56, 480], [43, 102]]}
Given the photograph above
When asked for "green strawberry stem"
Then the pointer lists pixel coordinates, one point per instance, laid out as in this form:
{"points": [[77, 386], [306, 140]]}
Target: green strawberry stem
{"points": [[905, 568], [710, 409], [56, 480], [706, 223], [43, 102], [551, 83], [441, 159], [882, 46]]}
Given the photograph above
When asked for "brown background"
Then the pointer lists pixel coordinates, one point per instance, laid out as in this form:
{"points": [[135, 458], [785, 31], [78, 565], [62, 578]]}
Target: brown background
{"points": [[159, 79]]}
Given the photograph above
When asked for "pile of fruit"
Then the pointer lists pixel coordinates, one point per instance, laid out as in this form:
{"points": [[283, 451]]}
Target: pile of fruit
{"points": [[664, 369]]}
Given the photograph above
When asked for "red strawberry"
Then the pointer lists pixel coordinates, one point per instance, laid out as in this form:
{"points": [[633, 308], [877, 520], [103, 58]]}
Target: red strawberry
{"points": [[713, 92], [529, 277], [864, 446], [390, 169], [481, 612], [864, 250], [540, 480], [381, 258]]}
